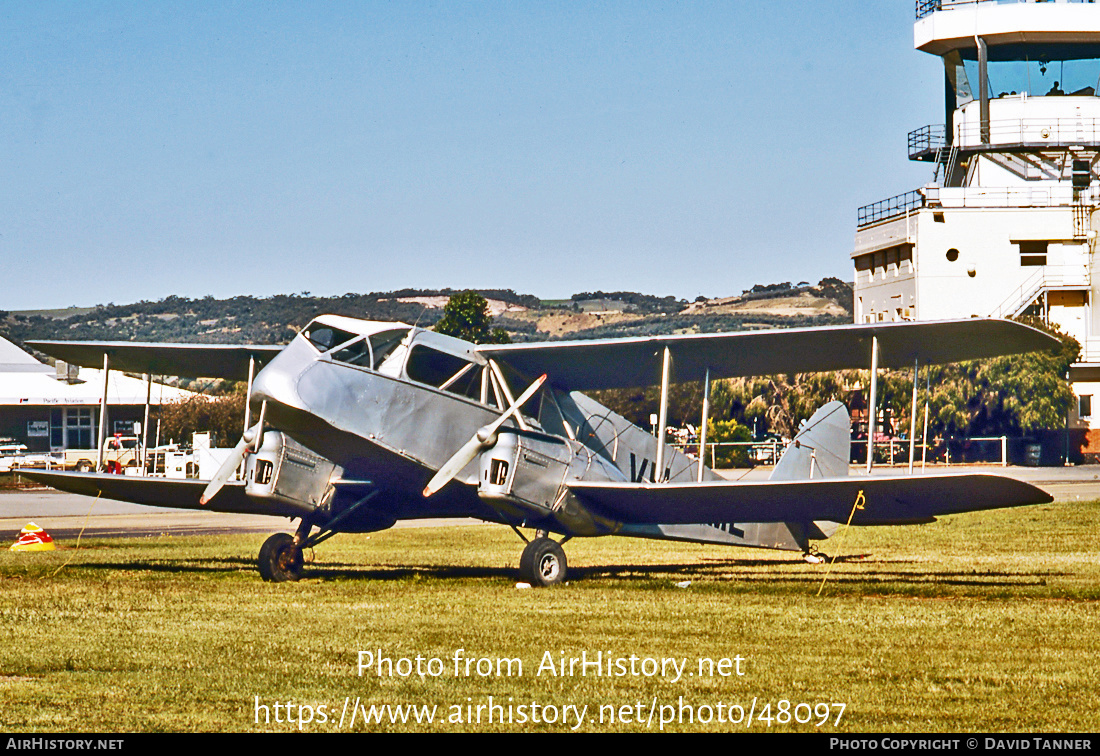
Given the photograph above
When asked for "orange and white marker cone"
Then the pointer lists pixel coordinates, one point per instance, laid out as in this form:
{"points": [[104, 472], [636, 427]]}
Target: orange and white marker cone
{"points": [[33, 538]]}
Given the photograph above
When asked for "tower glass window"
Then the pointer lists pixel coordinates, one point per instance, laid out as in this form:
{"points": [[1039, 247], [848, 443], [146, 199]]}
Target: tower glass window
{"points": [[1037, 69]]}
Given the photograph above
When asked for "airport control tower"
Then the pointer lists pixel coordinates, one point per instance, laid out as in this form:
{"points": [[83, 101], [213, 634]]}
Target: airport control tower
{"points": [[1009, 221]]}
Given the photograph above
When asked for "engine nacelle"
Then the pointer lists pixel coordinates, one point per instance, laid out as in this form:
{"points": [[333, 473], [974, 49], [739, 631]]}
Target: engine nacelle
{"points": [[284, 470], [525, 475]]}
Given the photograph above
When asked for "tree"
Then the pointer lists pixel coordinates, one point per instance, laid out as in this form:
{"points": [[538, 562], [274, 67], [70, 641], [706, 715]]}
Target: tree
{"points": [[685, 403], [224, 415], [720, 431], [1010, 396], [466, 316], [779, 402]]}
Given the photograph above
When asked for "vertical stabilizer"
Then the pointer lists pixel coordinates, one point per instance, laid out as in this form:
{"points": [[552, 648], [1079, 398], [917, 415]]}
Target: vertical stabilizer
{"points": [[821, 449]]}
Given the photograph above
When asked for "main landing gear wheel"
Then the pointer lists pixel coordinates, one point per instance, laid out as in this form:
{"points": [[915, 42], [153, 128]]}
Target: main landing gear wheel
{"points": [[280, 559], [543, 562]]}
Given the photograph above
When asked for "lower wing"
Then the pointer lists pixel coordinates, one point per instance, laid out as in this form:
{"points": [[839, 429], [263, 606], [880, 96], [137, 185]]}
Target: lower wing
{"points": [[886, 500], [161, 492]]}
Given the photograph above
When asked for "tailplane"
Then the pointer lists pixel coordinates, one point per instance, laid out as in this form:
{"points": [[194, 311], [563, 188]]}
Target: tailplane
{"points": [[821, 449]]}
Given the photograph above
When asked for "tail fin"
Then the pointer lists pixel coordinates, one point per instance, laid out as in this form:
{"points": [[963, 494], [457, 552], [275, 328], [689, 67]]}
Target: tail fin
{"points": [[821, 449]]}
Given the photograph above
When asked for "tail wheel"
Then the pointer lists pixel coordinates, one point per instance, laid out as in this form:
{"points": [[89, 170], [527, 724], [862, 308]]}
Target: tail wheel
{"points": [[543, 562], [280, 559]]}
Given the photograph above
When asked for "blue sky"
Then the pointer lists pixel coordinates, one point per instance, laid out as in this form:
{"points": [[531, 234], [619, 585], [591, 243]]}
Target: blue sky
{"points": [[188, 148]]}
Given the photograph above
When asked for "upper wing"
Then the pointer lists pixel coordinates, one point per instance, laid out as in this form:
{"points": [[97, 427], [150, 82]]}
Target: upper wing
{"points": [[888, 499], [623, 363], [190, 360], [160, 492]]}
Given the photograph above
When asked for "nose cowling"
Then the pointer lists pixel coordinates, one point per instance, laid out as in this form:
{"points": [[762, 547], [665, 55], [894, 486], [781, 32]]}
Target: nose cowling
{"points": [[277, 383]]}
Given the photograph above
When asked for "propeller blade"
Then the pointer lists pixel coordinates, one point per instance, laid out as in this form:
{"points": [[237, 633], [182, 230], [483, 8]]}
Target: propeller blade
{"points": [[481, 439], [225, 472], [454, 465]]}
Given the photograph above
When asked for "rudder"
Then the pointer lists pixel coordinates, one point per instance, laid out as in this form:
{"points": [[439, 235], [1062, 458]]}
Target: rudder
{"points": [[821, 449]]}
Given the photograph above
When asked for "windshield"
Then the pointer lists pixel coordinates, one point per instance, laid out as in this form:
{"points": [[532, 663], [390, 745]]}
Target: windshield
{"points": [[370, 351], [367, 346], [324, 336]]}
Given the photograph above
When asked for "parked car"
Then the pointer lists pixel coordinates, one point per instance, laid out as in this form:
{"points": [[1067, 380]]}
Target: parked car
{"points": [[119, 452]]}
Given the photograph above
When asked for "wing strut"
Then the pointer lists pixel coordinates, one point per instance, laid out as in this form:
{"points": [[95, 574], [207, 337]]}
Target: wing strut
{"points": [[248, 406], [927, 401], [872, 405], [703, 424], [103, 414], [662, 423], [145, 422], [507, 392], [913, 417], [248, 394]]}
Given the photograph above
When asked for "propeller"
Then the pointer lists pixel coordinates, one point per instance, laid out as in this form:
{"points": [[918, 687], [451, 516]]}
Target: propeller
{"points": [[250, 441], [483, 439], [228, 467]]}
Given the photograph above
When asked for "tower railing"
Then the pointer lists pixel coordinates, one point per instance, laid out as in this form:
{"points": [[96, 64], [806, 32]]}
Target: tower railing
{"points": [[1090, 351], [1033, 194], [890, 207], [1030, 132], [926, 141], [928, 7]]}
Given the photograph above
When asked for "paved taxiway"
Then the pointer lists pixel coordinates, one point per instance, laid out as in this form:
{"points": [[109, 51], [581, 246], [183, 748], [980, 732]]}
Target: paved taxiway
{"points": [[1080, 483], [64, 515]]}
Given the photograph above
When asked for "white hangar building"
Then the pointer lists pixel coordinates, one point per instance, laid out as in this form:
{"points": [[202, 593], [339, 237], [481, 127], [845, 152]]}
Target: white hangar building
{"points": [[54, 408]]}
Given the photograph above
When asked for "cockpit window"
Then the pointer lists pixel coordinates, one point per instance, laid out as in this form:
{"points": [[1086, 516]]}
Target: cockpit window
{"points": [[435, 368], [356, 353], [467, 382], [370, 351], [429, 366], [325, 337], [384, 342]]}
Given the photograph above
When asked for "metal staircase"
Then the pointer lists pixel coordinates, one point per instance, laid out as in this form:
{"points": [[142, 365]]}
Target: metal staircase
{"points": [[947, 157], [1022, 296], [1045, 278]]}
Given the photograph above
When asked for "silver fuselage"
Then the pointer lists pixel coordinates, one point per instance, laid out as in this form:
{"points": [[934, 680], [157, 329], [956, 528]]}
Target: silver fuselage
{"points": [[382, 426]]}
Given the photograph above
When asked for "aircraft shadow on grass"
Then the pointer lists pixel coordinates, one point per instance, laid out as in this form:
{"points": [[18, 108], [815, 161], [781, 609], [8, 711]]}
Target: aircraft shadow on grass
{"points": [[709, 572]]}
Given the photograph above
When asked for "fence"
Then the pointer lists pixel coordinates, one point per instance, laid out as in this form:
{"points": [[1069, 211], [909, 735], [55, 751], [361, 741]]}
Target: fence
{"points": [[757, 452], [988, 449], [984, 449]]}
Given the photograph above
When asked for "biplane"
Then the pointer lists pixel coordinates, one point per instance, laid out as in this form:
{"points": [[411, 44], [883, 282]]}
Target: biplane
{"points": [[360, 424]]}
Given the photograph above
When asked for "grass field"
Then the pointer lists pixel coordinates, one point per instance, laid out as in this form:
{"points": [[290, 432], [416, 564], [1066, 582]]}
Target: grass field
{"points": [[981, 622]]}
